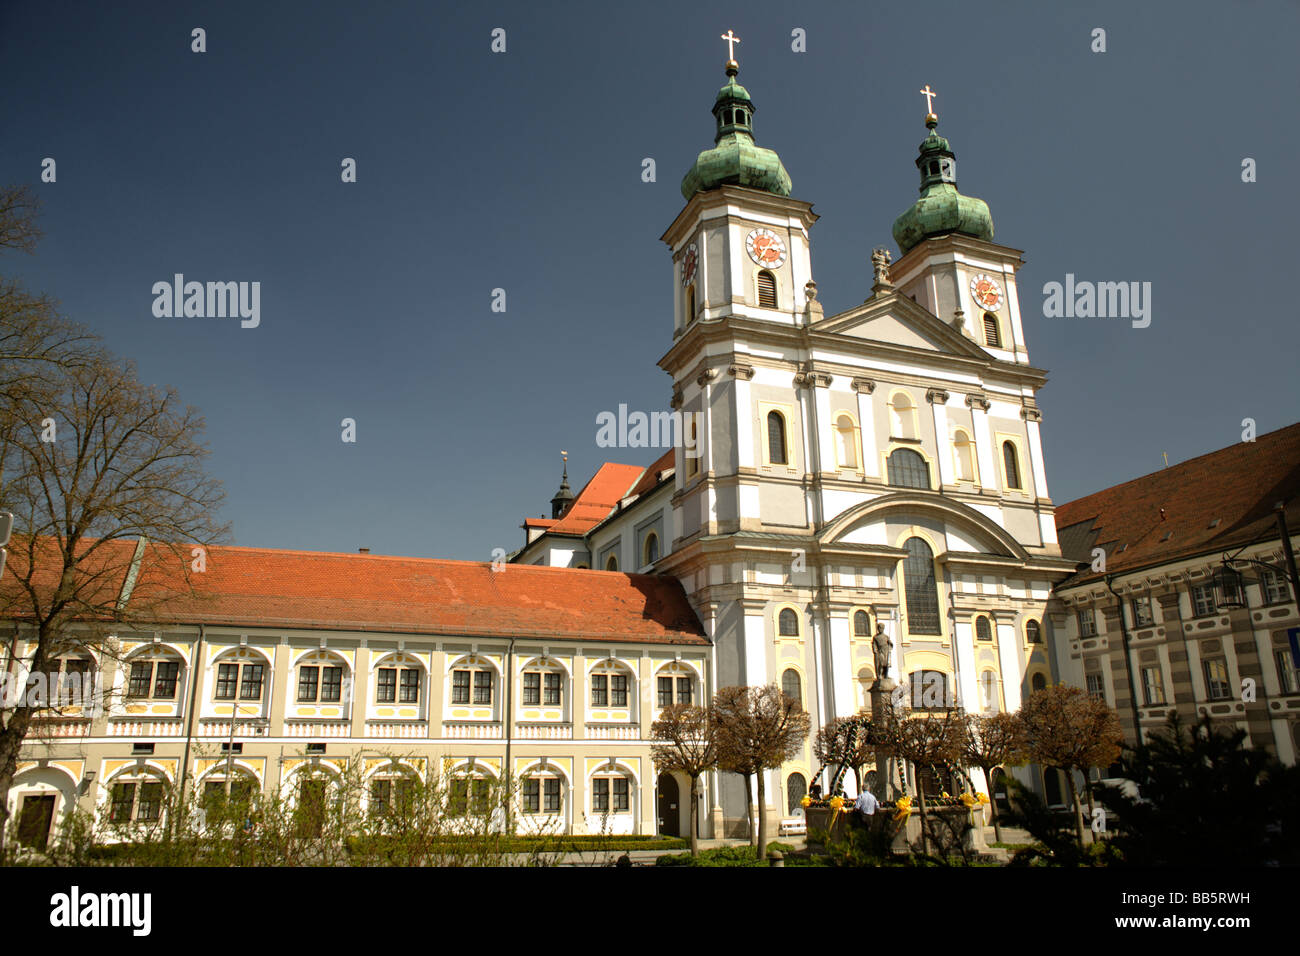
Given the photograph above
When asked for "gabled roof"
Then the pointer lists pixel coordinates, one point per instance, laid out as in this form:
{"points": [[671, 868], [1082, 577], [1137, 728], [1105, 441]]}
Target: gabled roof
{"points": [[1211, 503], [597, 498], [255, 587]]}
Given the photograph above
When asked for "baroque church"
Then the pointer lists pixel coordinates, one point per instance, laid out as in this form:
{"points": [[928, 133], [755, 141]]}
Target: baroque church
{"points": [[879, 468], [876, 470]]}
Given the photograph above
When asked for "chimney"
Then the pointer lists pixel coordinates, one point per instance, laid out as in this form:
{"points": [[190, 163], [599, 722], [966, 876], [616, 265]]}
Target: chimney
{"points": [[363, 550]]}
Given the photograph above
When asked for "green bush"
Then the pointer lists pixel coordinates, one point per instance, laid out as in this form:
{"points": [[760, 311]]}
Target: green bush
{"points": [[743, 855]]}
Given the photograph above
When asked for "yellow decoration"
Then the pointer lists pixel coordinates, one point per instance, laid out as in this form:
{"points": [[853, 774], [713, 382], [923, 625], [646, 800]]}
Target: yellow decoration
{"points": [[836, 802], [902, 808], [805, 802]]}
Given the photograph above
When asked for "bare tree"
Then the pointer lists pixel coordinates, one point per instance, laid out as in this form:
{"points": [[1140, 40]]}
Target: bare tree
{"points": [[847, 740], [758, 728], [926, 739], [1070, 730], [992, 741], [104, 477], [690, 747]]}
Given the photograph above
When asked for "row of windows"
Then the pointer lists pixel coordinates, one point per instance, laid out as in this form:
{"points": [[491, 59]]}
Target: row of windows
{"points": [[1214, 670], [904, 468], [1274, 589]]}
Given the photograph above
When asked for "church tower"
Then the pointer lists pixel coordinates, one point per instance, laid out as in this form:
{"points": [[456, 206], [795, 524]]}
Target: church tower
{"points": [[879, 468]]}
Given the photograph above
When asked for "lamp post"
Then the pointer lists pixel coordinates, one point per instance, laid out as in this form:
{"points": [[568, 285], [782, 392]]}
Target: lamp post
{"points": [[1227, 581]]}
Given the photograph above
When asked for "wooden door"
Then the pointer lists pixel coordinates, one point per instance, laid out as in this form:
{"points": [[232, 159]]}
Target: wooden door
{"points": [[34, 821], [669, 805]]}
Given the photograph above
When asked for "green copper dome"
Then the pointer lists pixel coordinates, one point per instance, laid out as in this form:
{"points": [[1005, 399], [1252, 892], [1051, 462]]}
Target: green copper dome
{"points": [[735, 159], [941, 209]]}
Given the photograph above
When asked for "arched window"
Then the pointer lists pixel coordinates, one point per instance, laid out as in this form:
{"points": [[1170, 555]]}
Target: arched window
{"points": [[766, 290], [542, 683], [934, 167], [983, 631], [791, 686], [690, 304], [611, 685], [796, 788], [75, 688], [907, 469], [776, 438], [650, 549], [398, 679], [154, 677], [611, 563], [921, 590], [787, 623], [727, 117], [902, 416], [965, 453], [137, 797], [846, 445], [861, 624], [992, 337], [240, 677], [1038, 682], [611, 792], [1011, 464], [1033, 633], [693, 461], [320, 678], [674, 683], [929, 690], [989, 691]]}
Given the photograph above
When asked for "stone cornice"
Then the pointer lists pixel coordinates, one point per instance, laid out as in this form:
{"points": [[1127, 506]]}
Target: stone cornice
{"points": [[741, 371], [978, 400], [864, 385], [933, 395]]}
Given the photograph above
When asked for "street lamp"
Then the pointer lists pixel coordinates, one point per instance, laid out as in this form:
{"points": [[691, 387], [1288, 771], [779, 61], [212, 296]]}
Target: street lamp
{"points": [[1227, 583]]}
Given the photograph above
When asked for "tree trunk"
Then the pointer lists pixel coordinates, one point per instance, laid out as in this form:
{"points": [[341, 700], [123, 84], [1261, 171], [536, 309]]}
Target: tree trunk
{"points": [[11, 743], [1092, 807], [762, 817], [1078, 809], [993, 804], [749, 811], [695, 803]]}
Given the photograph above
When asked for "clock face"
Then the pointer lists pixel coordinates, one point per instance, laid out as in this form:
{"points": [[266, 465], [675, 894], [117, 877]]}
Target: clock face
{"points": [[766, 248], [986, 292], [689, 261]]}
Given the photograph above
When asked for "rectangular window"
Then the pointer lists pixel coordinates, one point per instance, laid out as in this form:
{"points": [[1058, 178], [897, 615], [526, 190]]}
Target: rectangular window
{"points": [[551, 795], [1142, 612], [331, 684], [227, 678], [533, 689], [307, 680], [683, 690], [1216, 678], [600, 794], [78, 681], [381, 796], [618, 690], [1087, 622], [665, 691], [164, 687], [250, 687], [532, 795], [410, 686], [460, 687], [479, 792], [551, 695], [140, 680], [150, 808], [386, 685], [1153, 687], [599, 690], [1096, 686], [1202, 600], [1273, 587], [1287, 672], [123, 801], [621, 803], [482, 687]]}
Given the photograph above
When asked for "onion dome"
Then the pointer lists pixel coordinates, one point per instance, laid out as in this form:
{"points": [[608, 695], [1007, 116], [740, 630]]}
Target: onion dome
{"points": [[941, 209], [735, 159]]}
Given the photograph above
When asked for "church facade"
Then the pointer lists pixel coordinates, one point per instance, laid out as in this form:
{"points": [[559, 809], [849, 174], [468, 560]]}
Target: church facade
{"points": [[875, 471]]}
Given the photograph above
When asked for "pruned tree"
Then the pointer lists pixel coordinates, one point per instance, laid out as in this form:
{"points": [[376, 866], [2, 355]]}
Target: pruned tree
{"points": [[690, 746], [844, 741], [924, 739], [1070, 730], [991, 741], [758, 729], [104, 477]]}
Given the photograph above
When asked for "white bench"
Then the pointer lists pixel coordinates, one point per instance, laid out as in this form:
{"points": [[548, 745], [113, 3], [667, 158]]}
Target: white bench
{"points": [[792, 826]]}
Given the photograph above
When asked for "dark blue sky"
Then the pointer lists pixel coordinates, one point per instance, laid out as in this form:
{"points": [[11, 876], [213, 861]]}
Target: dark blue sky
{"points": [[522, 171]]}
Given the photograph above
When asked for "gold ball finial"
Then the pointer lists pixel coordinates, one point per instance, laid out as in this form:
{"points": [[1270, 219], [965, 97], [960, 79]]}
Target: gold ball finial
{"points": [[931, 120], [732, 68]]}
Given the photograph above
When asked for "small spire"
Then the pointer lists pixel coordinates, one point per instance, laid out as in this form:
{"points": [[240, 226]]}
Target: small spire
{"points": [[564, 497]]}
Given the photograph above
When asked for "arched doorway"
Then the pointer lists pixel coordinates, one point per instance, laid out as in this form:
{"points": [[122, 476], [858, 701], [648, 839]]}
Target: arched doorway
{"points": [[1000, 790], [669, 812]]}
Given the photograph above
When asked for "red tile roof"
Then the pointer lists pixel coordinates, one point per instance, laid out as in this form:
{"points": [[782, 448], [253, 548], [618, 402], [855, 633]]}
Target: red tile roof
{"points": [[653, 474], [598, 498], [1169, 514], [254, 587]]}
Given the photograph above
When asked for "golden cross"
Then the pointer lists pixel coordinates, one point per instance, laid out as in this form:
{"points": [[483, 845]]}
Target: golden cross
{"points": [[731, 44], [929, 95]]}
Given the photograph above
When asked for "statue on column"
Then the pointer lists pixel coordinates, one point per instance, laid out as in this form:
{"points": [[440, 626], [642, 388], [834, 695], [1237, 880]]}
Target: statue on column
{"points": [[883, 648]]}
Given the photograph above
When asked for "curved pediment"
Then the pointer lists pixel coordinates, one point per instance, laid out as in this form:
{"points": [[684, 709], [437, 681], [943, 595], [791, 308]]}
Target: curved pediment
{"points": [[990, 536]]}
